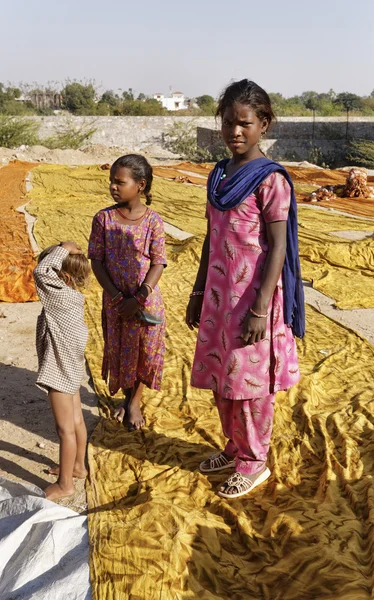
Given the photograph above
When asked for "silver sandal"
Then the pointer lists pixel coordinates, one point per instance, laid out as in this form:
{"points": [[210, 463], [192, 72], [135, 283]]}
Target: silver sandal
{"points": [[216, 462], [243, 484]]}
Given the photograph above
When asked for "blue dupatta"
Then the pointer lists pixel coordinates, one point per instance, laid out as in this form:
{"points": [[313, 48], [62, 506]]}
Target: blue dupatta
{"points": [[237, 188]]}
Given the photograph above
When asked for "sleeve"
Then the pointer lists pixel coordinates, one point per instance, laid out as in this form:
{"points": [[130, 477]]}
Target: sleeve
{"points": [[45, 273], [274, 195], [157, 250], [96, 243]]}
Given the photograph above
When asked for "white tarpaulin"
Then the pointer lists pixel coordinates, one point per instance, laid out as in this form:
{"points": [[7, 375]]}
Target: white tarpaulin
{"points": [[43, 547]]}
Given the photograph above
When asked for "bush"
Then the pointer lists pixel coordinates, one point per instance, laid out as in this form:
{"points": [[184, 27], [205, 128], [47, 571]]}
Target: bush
{"points": [[79, 98], [68, 136], [181, 139], [17, 131], [361, 152]]}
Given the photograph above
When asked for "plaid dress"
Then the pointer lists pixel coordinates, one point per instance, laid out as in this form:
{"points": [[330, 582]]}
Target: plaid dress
{"points": [[61, 333]]}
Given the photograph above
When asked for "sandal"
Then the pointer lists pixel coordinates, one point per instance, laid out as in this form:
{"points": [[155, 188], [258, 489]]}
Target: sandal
{"points": [[238, 484], [216, 462]]}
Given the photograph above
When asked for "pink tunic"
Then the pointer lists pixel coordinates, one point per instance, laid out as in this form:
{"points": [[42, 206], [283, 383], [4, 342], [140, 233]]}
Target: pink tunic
{"points": [[133, 350], [238, 251]]}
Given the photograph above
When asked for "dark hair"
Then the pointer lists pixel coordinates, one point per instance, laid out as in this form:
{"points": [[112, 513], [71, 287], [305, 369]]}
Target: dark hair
{"points": [[76, 266], [246, 92], [140, 169]]}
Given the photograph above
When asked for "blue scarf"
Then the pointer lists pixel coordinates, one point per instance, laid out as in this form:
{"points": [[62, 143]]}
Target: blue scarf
{"points": [[237, 188]]}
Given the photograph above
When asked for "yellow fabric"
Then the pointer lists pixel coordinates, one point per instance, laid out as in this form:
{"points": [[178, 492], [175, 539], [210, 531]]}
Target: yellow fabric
{"points": [[157, 528], [16, 255]]}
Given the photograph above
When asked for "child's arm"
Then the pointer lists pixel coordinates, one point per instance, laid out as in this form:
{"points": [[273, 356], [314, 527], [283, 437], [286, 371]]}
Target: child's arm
{"points": [[275, 199], [47, 281], [45, 273], [103, 278], [157, 254], [196, 302]]}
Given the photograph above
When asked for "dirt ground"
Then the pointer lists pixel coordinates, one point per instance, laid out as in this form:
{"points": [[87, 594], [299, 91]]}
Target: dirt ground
{"points": [[29, 444]]}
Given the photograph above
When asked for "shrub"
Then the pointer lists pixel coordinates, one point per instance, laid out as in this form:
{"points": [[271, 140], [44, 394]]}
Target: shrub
{"points": [[17, 131], [181, 139], [68, 136], [361, 152]]}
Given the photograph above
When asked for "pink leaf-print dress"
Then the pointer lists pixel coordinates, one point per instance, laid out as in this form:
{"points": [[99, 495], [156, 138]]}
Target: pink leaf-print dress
{"points": [[238, 251]]}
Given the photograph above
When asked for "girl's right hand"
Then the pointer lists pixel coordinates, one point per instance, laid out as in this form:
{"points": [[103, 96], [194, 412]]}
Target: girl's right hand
{"points": [[128, 308], [193, 312], [72, 247]]}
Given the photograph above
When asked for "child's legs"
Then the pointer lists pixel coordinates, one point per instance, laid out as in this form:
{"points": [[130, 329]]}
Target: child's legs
{"points": [[63, 412], [136, 420], [252, 431], [225, 410], [80, 434]]}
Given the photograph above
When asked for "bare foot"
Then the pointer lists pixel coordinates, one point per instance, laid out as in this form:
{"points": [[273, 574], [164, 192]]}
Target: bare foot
{"points": [[56, 492], [121, 411], [135, 417], [79, 473]]}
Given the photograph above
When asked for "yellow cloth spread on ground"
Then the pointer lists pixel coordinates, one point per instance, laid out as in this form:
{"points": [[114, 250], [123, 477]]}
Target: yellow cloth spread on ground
{"points": [[157, 528], [16, 255]]}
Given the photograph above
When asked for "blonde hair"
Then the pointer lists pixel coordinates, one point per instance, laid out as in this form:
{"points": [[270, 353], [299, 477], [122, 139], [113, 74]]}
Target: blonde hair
{"points": [[75, 269]]}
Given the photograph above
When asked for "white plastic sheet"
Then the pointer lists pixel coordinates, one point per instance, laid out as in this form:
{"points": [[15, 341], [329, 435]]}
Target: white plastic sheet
{"points": [[43, 547]]}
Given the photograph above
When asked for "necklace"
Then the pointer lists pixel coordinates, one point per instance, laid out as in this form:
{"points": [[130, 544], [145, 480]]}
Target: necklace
{"points": [[223, 176], [128, 219]]}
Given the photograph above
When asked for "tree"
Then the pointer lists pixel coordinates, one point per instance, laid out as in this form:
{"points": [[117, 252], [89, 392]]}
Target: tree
{"points": [[110, 98], [311, 101], [207, 104], [348, 102], [79, 98], [129, 95]]}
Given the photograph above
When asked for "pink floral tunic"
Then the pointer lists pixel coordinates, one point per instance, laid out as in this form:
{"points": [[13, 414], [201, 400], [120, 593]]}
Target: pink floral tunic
{"points": [[238, 251], [132, 349]]}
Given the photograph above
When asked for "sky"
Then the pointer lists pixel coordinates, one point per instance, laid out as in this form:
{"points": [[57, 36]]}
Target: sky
{"points": [[194, 46]]}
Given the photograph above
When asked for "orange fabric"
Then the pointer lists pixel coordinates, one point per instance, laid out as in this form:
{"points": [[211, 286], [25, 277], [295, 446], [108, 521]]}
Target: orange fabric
{"points": [[16, 256], [178, 176]]}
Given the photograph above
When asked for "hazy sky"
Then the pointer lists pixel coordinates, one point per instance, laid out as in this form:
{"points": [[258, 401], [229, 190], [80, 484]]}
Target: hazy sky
{"points": [[196, 46]]}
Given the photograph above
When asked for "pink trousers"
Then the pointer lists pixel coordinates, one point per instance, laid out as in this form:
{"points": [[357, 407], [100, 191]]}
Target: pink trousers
{"points": [[248, 425]]}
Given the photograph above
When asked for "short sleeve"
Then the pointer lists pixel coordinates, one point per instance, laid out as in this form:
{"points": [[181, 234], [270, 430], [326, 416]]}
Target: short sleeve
{"points": [[96, 244], [274, 195], [157, 250]]}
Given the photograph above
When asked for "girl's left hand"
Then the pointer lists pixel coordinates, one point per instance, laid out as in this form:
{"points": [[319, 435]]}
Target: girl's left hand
{"points": [[128, 308], [254, 330]]}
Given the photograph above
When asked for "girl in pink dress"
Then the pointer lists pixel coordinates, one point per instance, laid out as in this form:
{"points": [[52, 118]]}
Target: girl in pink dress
{"points": [[247, 300], [127, 250]]}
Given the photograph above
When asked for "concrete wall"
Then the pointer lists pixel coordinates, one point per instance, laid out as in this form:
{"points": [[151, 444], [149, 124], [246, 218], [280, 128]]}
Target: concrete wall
{"points": [[135, 133], [298, 138], [290, 138]]}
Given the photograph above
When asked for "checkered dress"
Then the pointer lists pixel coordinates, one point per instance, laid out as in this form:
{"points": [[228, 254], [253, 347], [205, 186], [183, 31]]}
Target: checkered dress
{"points": [[61, 333]]}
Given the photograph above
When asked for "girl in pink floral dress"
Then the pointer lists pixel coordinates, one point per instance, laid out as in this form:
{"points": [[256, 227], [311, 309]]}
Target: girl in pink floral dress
{"points": [[127, 250], [247, 300]]}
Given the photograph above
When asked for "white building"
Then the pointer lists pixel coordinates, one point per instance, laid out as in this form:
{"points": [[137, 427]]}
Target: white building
{"points": [[176, 101]]}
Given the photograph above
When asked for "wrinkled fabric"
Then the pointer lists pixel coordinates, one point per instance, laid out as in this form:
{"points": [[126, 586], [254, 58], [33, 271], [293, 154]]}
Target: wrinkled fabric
{"points": [[157, 527], [16, 255]]}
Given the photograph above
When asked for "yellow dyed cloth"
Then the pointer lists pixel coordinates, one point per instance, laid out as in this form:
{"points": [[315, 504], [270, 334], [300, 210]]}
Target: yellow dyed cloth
{"points": [[157, 529]]}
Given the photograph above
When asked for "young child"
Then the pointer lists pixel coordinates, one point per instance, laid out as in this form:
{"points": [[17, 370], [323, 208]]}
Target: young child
{"points": [[61, 337], [127, 251], [248, 298]]}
